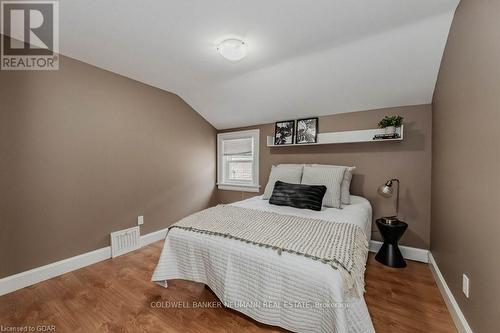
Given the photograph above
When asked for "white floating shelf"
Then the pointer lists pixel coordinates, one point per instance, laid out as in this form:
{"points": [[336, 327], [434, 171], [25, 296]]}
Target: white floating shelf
{"points": [[344, 137]]}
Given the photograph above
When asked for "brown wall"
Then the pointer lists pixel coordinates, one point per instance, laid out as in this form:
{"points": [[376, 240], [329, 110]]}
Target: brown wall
{"points": [[466, 161], [84, 152], [409, 160]]}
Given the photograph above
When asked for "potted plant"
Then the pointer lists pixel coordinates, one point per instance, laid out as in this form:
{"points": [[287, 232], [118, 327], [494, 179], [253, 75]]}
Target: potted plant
{"points": [[389, 123]]}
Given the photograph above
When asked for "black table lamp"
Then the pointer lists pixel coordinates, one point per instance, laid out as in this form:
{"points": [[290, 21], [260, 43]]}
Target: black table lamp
{"points": [[392, 229], [387, 190]]}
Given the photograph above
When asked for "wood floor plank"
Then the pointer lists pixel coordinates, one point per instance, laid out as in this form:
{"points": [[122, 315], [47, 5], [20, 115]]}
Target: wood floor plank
{"points": [[116, 296]]}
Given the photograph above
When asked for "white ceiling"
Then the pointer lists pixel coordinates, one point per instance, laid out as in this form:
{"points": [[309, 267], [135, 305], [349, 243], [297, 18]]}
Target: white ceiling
{"points": [[306, 58]]}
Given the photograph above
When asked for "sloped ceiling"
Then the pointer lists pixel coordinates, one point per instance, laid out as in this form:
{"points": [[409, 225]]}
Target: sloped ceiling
{"points": [[306, 58]]}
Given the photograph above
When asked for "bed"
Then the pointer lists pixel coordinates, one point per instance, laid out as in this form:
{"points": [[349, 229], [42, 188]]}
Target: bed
{"points": [[280, 289]]}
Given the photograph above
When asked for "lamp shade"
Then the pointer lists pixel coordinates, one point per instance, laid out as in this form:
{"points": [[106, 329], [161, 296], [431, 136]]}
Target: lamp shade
{"points": [[386, 190]]}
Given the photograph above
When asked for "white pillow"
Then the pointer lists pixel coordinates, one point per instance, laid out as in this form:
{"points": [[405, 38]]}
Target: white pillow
{"points": [[345, 194], [291, 173], [331, 177], [290, 165]]}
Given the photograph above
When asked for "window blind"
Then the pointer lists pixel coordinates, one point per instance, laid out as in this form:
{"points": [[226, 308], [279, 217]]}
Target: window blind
{"points": [[238, 147], [238, 161]]}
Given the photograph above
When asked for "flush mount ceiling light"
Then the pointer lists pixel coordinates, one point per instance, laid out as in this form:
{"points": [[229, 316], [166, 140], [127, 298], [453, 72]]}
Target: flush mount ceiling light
{"points": [[233, 49]]}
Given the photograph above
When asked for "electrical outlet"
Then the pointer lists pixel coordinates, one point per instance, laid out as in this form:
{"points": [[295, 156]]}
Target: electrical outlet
{"points": [[465, 285], [140, 220]]}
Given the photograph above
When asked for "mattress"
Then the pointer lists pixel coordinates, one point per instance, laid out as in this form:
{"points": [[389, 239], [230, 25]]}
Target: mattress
{"points": [[285, 290]]}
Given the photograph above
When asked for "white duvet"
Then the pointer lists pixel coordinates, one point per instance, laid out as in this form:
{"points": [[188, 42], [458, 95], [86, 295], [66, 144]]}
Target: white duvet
{"points": [[287, 290]]}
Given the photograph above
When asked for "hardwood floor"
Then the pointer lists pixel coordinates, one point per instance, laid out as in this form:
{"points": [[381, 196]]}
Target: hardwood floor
{"points": [[116, 296], [405, 300]]}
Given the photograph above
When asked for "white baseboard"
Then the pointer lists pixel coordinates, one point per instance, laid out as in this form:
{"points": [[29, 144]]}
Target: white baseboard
{"points": [[39, 274], [410, 253], [153, 237], [425, 256], [456, 314]]}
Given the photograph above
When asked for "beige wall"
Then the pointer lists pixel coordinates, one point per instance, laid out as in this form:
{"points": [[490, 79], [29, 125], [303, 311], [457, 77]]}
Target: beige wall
{"points": [[409, 160], [466, 161], [84, 152]]}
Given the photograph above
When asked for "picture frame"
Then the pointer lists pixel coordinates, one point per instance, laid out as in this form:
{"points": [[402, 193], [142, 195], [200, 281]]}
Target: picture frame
{"points": [[284, 132], [306, 131]]}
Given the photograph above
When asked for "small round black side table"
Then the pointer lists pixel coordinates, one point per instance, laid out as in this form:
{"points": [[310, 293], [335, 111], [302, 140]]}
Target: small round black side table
{"points": [[389, 254]]}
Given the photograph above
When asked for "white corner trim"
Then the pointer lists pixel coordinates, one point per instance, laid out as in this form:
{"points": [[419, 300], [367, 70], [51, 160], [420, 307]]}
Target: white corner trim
{"points": [[452, 305], [24, 279], [410, 253]]}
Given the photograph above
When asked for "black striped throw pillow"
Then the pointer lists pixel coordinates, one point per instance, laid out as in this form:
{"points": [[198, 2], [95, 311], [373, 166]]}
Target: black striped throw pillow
{"points": [[298, 196]]}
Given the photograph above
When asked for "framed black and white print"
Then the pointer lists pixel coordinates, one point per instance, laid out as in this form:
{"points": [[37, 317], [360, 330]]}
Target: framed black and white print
{"points": [[307, 130], [284, 132]]}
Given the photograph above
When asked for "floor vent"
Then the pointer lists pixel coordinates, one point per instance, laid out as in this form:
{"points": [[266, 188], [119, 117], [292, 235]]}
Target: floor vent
{"points": [[124, 241]]}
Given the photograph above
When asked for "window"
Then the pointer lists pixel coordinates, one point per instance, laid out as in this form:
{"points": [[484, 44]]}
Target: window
{"points": [[238, 161]]}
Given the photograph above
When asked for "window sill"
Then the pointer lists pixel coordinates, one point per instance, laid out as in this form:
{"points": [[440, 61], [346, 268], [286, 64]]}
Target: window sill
{"points": [[240, 188]]}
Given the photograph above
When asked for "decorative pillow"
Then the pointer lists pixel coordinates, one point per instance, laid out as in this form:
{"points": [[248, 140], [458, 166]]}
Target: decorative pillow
{"points": [[290, 165], [331, 177], [288, 174], [298, 196], [345, 193]]}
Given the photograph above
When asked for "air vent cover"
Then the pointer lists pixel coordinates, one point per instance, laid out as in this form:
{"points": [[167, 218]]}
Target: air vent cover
{"points": [[124, 241]]}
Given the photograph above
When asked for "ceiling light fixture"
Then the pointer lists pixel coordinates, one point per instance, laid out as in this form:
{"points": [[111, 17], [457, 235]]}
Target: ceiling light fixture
{"points": [[233, 49]]}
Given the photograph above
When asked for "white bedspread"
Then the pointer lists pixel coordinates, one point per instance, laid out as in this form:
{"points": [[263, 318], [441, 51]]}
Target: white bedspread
{"points": [[287, 290]]}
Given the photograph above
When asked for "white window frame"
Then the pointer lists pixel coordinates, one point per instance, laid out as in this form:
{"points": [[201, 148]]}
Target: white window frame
{"points": [[235, 186]]}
